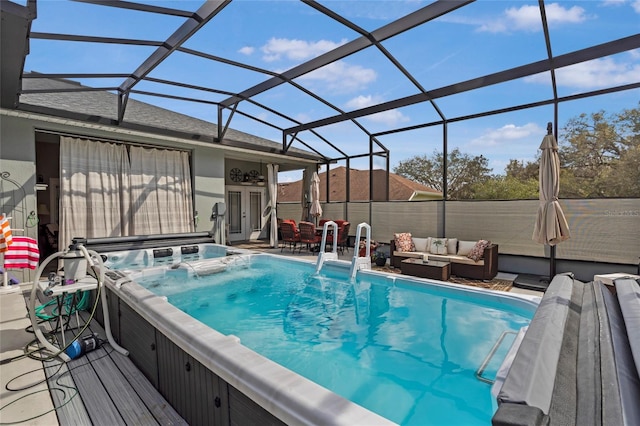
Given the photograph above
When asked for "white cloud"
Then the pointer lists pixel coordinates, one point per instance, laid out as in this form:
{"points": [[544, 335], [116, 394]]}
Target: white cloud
{"points": [[341, 77], [390, 118], [247, 50], [362, 102], [296, 50], [302, 117], [635, 4], [507, 134], [337, 77], [527, 18], [593, 74], [557, 14]]}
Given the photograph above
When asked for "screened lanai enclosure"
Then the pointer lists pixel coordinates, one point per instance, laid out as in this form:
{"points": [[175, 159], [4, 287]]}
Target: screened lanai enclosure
{"points": [[352, 82], [189, 113]]}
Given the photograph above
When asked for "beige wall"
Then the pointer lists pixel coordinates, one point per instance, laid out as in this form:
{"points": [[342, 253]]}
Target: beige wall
{"points": [[18, 157], [603, 230]]}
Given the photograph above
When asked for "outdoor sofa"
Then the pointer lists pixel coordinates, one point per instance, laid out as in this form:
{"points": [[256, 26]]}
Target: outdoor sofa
{"points": [[469, 259]]}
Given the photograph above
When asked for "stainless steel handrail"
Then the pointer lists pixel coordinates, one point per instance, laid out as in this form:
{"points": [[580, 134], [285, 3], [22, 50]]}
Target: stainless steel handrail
{"points": [[490, 355]]}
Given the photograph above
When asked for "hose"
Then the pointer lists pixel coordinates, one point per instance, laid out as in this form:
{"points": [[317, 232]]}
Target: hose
{"points": [[98, 273]]}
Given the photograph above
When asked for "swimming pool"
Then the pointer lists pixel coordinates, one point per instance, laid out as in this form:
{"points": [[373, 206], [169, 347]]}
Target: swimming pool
{"points": [[400, 347]]}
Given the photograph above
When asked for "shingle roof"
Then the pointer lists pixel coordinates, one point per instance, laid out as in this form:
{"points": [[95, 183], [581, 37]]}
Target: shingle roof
{"points": [[101, 106], [400, 188]]}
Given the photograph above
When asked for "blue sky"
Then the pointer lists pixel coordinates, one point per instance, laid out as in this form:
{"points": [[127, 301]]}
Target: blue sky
{"points": [[476, 40]]}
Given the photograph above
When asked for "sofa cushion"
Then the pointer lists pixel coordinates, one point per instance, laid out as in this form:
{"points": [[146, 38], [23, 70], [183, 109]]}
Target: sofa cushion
{"points": [[453, 258], [416, 254], [438, 246], [464, 247], [477, 252], [452, 245], [421, 244], [404, 242]]}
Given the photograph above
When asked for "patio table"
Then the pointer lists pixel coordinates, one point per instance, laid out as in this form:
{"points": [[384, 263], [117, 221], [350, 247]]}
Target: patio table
{"points": [[431, 269]]}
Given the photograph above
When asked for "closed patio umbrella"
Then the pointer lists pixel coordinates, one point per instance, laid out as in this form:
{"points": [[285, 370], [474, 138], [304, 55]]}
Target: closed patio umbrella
{"points": [[304, 197], [551, 226], [272, 175], [316, 208]]}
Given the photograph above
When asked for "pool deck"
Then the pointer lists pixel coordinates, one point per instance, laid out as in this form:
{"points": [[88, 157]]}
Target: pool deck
{"points": [[33, 403]]}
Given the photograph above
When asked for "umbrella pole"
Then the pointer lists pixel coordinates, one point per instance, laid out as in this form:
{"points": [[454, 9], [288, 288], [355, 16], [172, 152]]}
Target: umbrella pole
{"points": [[552, 263]]}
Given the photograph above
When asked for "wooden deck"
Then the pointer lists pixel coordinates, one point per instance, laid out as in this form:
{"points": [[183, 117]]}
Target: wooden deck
{"points": [[104, 387]]}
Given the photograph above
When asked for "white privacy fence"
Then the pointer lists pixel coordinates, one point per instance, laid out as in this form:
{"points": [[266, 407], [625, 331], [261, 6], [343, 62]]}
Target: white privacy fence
{"points": [[602, 230]]}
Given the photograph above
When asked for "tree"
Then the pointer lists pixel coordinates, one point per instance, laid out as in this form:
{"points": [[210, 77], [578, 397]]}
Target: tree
{"points": [[507, 187], [519, 170], [463, 170], [599, 155]]}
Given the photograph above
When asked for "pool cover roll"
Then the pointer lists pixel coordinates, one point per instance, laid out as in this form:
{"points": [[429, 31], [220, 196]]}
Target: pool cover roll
{"points": [[532, 374], [591, 369]]}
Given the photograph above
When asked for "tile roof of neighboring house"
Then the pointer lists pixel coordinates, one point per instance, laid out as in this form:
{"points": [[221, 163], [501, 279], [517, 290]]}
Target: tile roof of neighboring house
{"points": [[97, 106], [400, 188]]}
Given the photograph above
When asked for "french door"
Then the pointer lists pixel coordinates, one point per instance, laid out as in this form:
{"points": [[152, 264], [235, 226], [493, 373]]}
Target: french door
{"points": [[244, 212]]}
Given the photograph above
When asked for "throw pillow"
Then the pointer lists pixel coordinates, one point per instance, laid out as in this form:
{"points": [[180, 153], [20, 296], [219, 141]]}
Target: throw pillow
{"points": [[439, 246], [421, 244], [452, 245], [404, 242], [477, 252], [430, 240], [464, 247]]}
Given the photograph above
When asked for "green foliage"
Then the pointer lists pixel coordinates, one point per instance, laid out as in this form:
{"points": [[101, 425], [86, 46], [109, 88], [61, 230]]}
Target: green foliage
{"points": [[599, 157], [463, 170], [507, 188], [519, 170]]}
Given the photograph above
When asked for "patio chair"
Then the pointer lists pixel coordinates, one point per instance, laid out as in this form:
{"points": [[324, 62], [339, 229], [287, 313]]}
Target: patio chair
{"points": [[309, 236], [343, 235], [290, 235]]}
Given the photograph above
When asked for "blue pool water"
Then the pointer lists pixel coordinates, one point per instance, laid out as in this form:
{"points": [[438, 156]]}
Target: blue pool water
{"points": [[405, 351]]}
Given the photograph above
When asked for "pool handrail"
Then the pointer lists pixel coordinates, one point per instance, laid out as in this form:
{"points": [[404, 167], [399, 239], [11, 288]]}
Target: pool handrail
{"points": [[322, 255], [358, 262]]}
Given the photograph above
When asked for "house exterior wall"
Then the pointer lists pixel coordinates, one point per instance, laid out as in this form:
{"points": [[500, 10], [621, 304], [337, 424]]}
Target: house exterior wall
{"points": [[208, 182], [18, 157]]}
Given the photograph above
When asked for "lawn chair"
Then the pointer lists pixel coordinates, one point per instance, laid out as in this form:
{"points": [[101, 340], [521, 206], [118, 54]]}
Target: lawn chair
{"points": [[343, 235], [290, 235], [309, 236]]}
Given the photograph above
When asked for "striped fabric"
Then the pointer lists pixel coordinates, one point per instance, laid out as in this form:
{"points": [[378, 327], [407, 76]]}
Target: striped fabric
{"points": [[23, 253], [5, 234]]}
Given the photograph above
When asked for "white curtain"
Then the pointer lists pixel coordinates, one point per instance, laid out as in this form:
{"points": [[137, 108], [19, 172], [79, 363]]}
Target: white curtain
{"points": [[161, 198], [94, 188], [272, 175]]}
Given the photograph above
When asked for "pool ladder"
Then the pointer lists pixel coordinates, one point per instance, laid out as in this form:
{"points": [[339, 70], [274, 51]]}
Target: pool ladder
{"points": [[357, 263], [322, 255]]}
